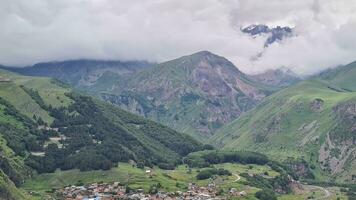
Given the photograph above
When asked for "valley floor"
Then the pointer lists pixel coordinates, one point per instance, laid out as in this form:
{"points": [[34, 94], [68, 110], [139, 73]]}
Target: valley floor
{"points": [[45, 186]]}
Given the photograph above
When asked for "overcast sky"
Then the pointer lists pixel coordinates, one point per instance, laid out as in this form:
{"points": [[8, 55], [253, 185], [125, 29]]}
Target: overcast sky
{"points": [[158, 30]]}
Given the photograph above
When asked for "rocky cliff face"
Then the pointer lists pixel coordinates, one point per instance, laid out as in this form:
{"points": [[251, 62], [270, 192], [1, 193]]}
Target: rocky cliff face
{"points": [[338, 152]]}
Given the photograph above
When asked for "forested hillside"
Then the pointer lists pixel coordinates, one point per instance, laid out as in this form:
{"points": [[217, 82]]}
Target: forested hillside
{"points": [[44, 125]]}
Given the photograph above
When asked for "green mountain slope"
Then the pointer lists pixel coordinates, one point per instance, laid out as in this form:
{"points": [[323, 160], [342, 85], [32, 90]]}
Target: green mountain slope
{"points": [[342, 77], [312, 120], [45, 125], [195, 94]]}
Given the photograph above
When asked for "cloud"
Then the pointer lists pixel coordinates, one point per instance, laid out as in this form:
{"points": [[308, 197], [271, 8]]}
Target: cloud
{"points": [[159, 30]]}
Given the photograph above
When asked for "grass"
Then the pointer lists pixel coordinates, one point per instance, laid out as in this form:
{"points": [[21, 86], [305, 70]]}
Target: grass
{"points": [[171, 180], [6, 119], [22, 101], [342, 77], [51, 93], [315, 193]]}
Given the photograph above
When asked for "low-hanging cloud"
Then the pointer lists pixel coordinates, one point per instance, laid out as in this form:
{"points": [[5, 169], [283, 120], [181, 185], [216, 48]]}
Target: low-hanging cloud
{"points": [[159, 30]]}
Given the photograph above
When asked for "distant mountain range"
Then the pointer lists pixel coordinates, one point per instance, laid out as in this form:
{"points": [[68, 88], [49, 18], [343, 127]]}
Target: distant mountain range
{"points": [[83, 73], [313, 120], [195, 94]]}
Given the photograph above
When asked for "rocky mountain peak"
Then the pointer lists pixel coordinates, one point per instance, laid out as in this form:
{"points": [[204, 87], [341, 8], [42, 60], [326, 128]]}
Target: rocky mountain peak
{"points": [[206, 59], [275, 34]]}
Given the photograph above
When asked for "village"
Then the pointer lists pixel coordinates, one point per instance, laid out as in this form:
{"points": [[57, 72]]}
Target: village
{"points": [[105, 191]]}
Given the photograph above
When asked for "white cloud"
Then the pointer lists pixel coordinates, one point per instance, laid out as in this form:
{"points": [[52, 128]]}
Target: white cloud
{"points": [[159, 30]]}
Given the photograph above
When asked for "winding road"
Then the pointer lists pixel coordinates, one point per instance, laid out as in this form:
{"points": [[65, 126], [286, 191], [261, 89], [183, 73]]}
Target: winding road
{"points": [[327, 192]]}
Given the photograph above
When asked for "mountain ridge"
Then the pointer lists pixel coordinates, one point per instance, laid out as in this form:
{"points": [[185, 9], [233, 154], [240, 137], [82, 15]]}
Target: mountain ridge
{"points": [[194, 94], [81, 73]]}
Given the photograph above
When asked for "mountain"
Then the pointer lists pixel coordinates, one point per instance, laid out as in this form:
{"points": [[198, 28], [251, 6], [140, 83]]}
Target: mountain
{"points": [[45, 125], [280, 78], [88, 74], [194, 94], [313, 120], [275, 34]]}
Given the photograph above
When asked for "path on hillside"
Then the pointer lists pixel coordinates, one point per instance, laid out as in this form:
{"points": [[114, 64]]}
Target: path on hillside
{"points": [[327, 192], [237, 178]]}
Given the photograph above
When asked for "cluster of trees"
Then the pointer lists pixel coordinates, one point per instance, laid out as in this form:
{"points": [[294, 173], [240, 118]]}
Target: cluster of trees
{"points": [[266, 194], [208, 173], [279, 183], [207, 158], [23, 136], [351, 192]]}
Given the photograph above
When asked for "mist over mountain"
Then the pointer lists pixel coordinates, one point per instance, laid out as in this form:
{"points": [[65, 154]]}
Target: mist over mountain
{"points": [[67, 30]]}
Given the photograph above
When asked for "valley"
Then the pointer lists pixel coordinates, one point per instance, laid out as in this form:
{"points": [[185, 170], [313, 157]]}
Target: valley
{"points": [[173, 182], [194, 94], [60, 143]]}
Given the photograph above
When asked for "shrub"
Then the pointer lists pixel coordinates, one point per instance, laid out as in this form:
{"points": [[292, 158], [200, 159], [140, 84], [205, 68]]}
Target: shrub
{"points": [[208, 173], [265, 195]]}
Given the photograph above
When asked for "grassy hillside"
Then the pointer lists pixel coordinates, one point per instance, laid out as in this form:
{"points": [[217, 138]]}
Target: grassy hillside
{"points": [[44, 125], [8, 190], [302, 121], [342, 77]]}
